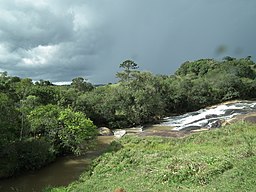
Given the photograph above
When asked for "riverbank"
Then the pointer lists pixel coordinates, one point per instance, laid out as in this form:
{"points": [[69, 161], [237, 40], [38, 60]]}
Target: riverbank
{"points": [[61, 172], [65, 175], [217, 160]]}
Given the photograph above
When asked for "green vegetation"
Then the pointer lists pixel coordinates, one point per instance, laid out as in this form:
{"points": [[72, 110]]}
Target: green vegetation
{"points": [[36, 126], [64, 118], [64, 129], [195, 85], [218, 160]]}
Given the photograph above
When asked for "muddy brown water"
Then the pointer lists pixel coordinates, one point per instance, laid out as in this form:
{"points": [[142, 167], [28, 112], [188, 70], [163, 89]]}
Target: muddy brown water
{"points": [[59, 173]]}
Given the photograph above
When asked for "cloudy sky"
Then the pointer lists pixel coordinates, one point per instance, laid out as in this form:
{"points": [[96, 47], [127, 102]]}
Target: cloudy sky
{"points": [[58, 40]]}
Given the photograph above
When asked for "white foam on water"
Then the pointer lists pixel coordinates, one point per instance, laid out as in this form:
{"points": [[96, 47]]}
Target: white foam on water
{"points": [[205, 117]]}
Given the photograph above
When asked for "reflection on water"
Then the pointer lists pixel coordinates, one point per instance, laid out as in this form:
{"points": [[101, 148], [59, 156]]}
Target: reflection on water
{"points": [[60, 173]]}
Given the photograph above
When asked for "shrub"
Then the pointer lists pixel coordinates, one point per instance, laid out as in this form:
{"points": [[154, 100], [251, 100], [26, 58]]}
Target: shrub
{"points": [[24, 155]]}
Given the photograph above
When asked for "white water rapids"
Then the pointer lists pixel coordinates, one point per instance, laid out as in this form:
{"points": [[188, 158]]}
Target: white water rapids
{"points": [[209, 117]]}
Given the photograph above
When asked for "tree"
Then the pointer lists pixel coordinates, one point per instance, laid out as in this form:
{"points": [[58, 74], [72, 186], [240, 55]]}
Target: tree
{"points": [[4, 82], [45, 94], [22, 89], [76, 130], [26, 106], [9, 120], [67, 97], [228, 58], [81, 84], [44, 120], [228, 87], [200, 94], [197, 68], [180, 95], [140, 102], [129, 67], [65, 129], [100, 104], [42, 82]]}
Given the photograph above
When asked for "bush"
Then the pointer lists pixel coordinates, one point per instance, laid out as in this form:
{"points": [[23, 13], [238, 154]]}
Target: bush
{"points": [[34, 154], [8, 160], [24, 155]]}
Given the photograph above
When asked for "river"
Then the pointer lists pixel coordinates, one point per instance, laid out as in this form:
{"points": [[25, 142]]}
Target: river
{"points": [[68, 169], [61, 172], [210, 117]]}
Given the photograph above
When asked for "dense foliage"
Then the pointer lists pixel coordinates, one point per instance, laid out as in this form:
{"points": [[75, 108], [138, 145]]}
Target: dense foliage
{"points": [[37, 123], [219, 160], [141, 97], [63, 117]]}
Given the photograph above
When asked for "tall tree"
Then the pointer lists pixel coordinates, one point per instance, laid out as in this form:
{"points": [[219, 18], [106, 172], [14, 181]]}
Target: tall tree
{"points": [[129, 67], [9, 120], [22, 89]]}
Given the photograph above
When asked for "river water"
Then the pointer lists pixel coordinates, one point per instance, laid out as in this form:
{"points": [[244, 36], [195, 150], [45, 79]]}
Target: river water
{"points": [[209, 117], [59, 173], [68, 169]]}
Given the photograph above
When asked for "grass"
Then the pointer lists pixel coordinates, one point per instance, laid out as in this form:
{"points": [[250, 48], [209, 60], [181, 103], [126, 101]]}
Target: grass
{"points": [[219, 160]]}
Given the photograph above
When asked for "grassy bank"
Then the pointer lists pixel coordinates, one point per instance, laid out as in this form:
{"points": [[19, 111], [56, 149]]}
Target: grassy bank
{"points": [[219, 160]]}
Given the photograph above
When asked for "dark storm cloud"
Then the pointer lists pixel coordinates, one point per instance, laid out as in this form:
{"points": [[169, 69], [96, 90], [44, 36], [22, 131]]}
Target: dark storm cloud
{"points": [[163, 34], [59, 40], [28, 26], [46, 41]]}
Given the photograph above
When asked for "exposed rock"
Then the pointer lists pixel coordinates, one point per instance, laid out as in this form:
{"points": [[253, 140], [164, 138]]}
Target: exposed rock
{"points": [[119, 133], [226, 122], [212, 117], [250, 119], [134, 129], [208, 116], [104, 131], [215, 124], [161, 131]]}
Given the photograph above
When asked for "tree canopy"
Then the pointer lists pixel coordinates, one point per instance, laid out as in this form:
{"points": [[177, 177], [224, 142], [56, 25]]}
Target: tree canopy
{"points": [[64, 118]]}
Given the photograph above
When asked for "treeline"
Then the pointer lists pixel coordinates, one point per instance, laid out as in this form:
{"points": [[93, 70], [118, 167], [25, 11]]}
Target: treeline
{"points": [[44, 120], [37, 123], [141, 97]]}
